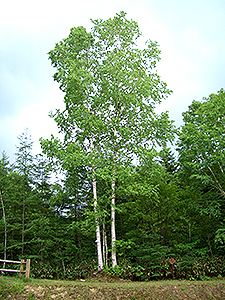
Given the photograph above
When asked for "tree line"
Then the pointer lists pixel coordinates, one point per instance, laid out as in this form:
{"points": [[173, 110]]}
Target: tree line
{"points": [[120, 199]]}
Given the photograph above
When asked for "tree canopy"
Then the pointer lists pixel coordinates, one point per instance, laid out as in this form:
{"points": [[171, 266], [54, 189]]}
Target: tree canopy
{"points": [[201, 142], [111, 90]]}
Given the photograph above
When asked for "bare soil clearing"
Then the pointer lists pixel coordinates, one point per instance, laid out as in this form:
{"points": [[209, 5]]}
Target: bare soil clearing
{"points": [[102, 288]]}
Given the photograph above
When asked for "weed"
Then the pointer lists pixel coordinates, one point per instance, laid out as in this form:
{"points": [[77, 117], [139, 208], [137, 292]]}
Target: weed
{"points": [[7, 290]]}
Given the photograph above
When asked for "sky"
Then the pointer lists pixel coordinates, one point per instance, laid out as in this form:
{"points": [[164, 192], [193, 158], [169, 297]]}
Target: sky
{"points": [[190, 34]]}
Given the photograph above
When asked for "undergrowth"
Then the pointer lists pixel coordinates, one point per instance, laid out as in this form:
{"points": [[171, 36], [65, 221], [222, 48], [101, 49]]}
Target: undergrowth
{"points": [[7, 290], [192, 269]]}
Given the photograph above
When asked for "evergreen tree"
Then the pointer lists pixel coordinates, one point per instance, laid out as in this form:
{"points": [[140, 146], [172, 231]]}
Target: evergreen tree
{"points": [[24, 167], [41, 210]]}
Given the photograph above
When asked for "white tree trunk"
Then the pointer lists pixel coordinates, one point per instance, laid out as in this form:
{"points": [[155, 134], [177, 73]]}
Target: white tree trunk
{"points": [[5, 230], [98, 236], [113, 225], [104, 244], [113, 203], [94, 186]]}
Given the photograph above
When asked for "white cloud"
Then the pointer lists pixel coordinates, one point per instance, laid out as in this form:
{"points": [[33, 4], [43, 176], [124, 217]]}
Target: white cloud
{"points": [[190, 35], [195, 42]]}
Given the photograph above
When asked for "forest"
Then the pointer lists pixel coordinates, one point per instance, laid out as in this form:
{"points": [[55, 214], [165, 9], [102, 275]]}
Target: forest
{"points": [[121, 189]]}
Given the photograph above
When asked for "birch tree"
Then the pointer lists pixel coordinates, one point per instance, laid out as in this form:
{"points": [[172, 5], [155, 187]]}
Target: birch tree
{"points": [[111, 90], [74, 61], [4, 171], [128, 90]]}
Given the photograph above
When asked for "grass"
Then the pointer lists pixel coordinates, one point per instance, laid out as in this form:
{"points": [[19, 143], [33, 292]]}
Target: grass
{"points": [[107, 288]]}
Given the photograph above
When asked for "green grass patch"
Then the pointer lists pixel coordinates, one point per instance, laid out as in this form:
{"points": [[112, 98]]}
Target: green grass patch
{"points": [[104, 288]]}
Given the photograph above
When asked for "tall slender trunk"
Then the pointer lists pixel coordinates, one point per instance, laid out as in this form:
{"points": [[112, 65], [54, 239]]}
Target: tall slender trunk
{"points": [[98, 236], [23, 220], [5, 230], [97, 228], [42, 238], [104, 244], [113, 220], [113, 202], [94, 186]]}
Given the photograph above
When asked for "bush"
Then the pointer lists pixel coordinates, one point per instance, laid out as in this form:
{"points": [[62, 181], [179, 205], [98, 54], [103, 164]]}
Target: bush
{"points": [[134, 273], [73, 271], [183, 268]]}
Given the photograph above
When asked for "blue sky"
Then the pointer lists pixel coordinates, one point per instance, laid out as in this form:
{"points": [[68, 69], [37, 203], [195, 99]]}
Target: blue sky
{"points": [[191, 35]]}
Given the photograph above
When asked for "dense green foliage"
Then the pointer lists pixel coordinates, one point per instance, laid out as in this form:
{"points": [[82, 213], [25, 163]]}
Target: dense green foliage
{"points": [[168, 204], [111, 89]]}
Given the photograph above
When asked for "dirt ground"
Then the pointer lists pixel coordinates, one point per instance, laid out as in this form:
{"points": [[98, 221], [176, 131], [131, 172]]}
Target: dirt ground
{"points": [[99, 289]]}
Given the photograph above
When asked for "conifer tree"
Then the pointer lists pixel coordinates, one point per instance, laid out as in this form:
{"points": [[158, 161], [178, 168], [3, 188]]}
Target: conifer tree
{"points": [[24, 167]]}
